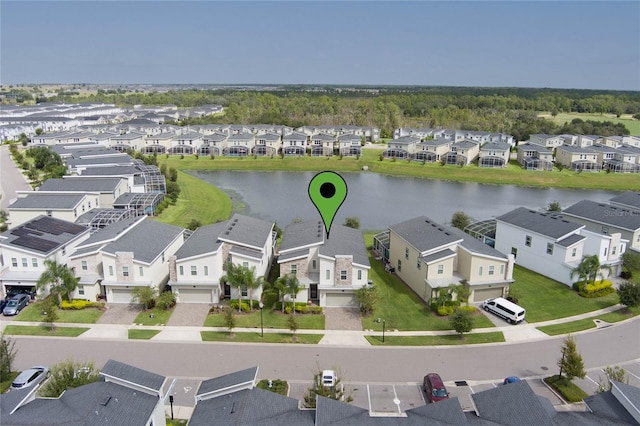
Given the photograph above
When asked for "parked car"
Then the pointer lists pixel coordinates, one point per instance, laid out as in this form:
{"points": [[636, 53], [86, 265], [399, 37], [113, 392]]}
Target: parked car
{"points": [[31, 377], [329, 378], [434, 388], [16, 304], [510, 379]]}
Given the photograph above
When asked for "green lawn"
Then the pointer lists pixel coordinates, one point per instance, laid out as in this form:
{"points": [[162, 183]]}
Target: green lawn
{"points": [[220, 336], [626, 119], [153, 317], [469, 339], [271, 319], [197, 200], [546, 299], [33, 313], [36, 330], [5, 384], [569, 390], [142, 334], [587, 323]]}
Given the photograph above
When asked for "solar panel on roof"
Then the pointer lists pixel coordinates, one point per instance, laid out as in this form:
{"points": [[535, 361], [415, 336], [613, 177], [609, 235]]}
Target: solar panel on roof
{"points": [[35, 243], [54, 226]]}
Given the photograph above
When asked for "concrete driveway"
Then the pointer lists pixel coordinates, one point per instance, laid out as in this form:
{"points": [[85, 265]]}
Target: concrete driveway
{"points": [[342, 319], [120, 313], [189, 314]]}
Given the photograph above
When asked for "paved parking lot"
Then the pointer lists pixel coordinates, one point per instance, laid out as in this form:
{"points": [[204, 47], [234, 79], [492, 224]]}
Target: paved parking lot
{"points": [[591, 382]]}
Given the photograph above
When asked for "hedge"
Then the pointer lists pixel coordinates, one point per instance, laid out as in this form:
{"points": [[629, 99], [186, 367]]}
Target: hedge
{"points": [[77, 304]]}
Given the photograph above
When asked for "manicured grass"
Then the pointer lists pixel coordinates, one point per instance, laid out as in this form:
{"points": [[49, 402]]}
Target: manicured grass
{"points": [[142, 334], [278, 386], [33, 313], [626, 119], [546, 299], [5, 384], [513, 174], [198, 200], [469, 339], [271, 319], [587, 323], [153, 317], [569, 390], [220, 336], [176, 422], [36, 330]]}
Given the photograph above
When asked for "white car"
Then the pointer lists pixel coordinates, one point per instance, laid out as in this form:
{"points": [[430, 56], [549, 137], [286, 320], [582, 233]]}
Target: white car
{"points": [[31, 377]]}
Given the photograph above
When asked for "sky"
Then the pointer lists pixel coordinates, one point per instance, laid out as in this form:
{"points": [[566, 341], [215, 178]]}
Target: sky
{"points": [[558, 44]]}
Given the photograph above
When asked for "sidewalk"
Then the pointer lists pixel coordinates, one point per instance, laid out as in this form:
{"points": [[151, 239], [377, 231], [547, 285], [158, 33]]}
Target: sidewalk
{"points": [[512, 333]]}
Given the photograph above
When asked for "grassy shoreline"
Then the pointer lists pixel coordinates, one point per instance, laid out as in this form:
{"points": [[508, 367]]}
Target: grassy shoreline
{"points": [[513, 174]]}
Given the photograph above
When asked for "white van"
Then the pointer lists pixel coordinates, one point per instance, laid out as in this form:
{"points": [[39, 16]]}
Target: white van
{"points": [[505, 309]]}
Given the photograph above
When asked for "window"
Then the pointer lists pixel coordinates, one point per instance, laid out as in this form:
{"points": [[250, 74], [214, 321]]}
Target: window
{"points": [[527, 240], [501, 269], [245, 264], [359, 274], [605, 252], [49, 213], [294, 269], [125, 271], [514, 252], [34, 262], [418, 263], [480, 271], [492, 270], [25, 263], [244, 291], [194, 270], [181, 270], [406, 252], [399, 265], [574, 252], [440, 269], [549, 248], [343, 274], [327, 274], [83, 265], [81, 290], [613, 250], [313, 264], [206, 270], [111, 270], [14, 262], [140, 271], [605, 230]]}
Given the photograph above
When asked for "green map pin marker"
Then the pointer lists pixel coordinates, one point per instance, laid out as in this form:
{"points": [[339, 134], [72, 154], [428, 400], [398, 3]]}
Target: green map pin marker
{"points": [[327, 191]]}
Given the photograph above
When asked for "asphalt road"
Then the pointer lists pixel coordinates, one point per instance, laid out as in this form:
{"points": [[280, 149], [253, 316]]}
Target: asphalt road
{"points": [[12, 180], [608, 346]]}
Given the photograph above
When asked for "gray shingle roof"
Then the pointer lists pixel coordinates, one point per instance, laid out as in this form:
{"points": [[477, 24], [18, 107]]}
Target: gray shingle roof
{"points": [[237, 378], [203, 240], [147, 240], [133, 374], [47, 201], [497, 146], [474, 245], [605, 213], [571, 240], [549, 224], [84, 184], [302, 234], [438, 255], [109, 232], [111, 171], [606, 406], [113, 159], [444, 412], [42, 234], [424, 234], [629, 199], [247, 231]]}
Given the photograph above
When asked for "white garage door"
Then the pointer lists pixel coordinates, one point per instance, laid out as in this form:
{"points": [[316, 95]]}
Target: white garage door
{"points": [[194, 295], [339, 300], [120, 296], [486, 293]]}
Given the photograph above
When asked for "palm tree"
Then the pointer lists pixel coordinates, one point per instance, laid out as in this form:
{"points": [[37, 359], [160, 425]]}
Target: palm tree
{"points": [[254, 283], [462, 292], [60, 278], [443, 296], [236, 276], [291, 286], [589, 269]]}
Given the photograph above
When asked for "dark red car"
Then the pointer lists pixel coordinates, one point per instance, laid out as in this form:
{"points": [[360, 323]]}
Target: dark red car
{"points": [[434, 388]]}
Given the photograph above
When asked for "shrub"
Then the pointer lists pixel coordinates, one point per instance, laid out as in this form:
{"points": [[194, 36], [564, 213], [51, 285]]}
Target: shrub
{"points": [[470, 309], [233, 304], [569, 391], [443, 311], [277, 386], [597, 286], [78, 304], [166, 300]]}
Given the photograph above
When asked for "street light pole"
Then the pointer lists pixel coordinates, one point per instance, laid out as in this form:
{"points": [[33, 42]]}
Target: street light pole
{"points": [[261, 305], [383, 324]]}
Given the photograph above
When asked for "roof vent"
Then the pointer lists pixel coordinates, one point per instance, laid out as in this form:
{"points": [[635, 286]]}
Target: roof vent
{"points": [[226, 233], [105, 401]]}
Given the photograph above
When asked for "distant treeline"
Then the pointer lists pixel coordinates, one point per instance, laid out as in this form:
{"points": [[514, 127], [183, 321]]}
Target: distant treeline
{"points": [[508, 110]]}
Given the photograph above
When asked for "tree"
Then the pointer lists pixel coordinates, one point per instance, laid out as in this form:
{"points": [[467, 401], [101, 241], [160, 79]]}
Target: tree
{"points": [[68, 374], [615, 373], [50, 311], [352, 222], [7, 355], [629, 294], [59, 278], [462, 322], [589, 269], [460, 220], [194, 224], [242, 277], [291, 287], [443, 295], [145, 295], [554, 206], [336, 392], [166, 300], [630, 263], [293, 325], [571, 362], [461, 291], [229, 320], [38, 131], [367, 297]]}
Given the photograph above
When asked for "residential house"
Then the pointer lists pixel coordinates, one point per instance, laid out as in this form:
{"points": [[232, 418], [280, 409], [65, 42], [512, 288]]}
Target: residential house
{"points": [[463, 153], [431, 150], [552, 245], [158, 143], [186, 143], [631, 141], [294, 144], [494, 154], [350, 144], [607, 219], [624, 161], [402, 147], [578, 159], [535, 157], [604, 153], [213, 144], [77, 165], [322, 144], [547, 141], [126, 254], [124, 395], [109, 188], [613, 141], [329, 270], [25, 248], [31, 204], [421, 133], [627, 200], [239, 144], [428, 256], [196, 270], [267, 144], [128, 141]]}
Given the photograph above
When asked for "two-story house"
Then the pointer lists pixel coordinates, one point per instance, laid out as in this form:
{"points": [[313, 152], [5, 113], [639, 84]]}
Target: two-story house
{"points": [[239, 144], [402, 147], [350, 144], [534, 157], [578, 159], [432, 150], [108, 188], [31, 204], [494, 154], [463, 152], [322, 144], [267, 144], [294, 144]]}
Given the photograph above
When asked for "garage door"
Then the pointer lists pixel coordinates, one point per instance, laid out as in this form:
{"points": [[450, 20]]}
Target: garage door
{"points": [[193, 295], [338, 300], [120, 296], [486, 293]]}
